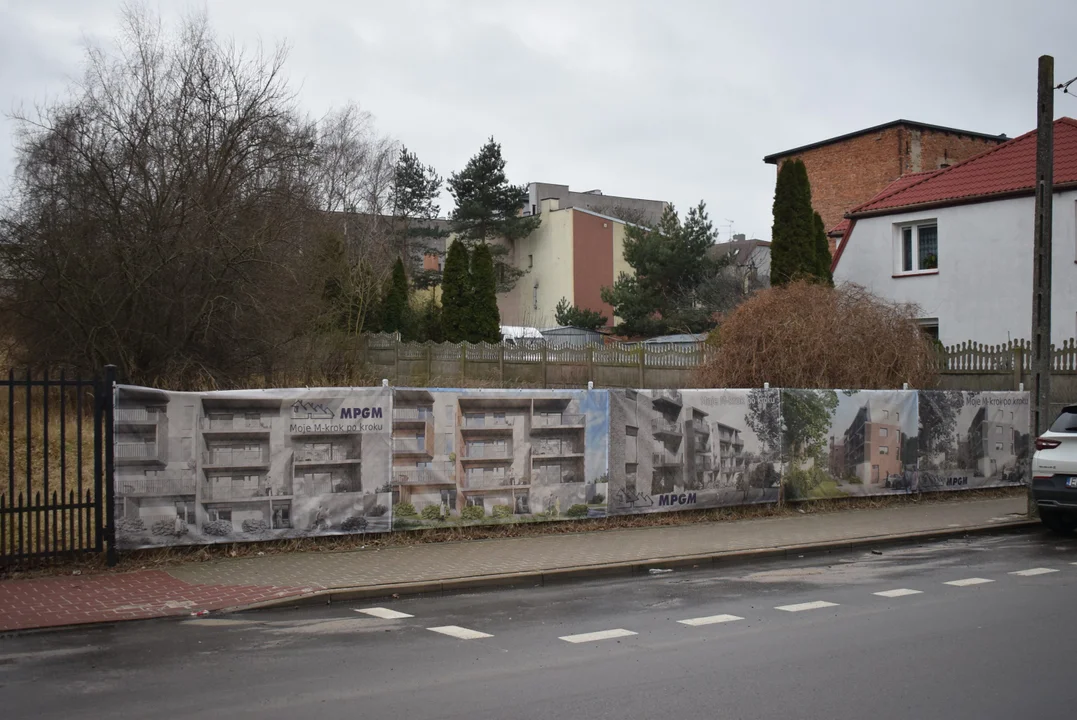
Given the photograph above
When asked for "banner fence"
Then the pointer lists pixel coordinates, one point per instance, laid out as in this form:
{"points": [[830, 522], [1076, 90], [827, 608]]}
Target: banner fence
{"points": [[213, 467]]}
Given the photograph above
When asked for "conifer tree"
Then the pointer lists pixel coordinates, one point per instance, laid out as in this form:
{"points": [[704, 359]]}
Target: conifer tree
{"points": [[485, 318], [456, 293], [793, 243]]}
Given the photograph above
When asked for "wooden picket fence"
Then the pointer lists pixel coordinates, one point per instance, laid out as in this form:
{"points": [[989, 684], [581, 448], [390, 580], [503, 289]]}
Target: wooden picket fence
{"points": [[1008, 357]]}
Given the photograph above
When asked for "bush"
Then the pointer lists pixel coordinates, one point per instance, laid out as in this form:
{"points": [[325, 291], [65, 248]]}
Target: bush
{"points": [[164, 527], [220, 528], [255, 526], [378, 511], [473, 512], [355, 523], [431, 512], [806, 335], [502, 511], [579, 510], [404, 509], [598, 499], [131, 525]]}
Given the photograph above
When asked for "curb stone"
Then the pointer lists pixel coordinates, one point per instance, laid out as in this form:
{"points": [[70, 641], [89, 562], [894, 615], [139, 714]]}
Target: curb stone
{"points": [[538, 578]]}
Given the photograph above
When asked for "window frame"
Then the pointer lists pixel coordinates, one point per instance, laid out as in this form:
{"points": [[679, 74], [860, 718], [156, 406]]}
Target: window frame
{"points": [[913, 228]]}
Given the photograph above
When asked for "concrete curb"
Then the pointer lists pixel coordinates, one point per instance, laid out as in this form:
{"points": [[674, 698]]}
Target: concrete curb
{"points": [[539, 578]]}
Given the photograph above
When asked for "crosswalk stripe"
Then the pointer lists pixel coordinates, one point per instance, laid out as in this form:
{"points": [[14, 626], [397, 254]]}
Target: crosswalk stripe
{"points": [[799, 607], [595, 636], [383, 613], [460, 632], [1034, 571], [968, 581], [900, 592], [710, 620]]}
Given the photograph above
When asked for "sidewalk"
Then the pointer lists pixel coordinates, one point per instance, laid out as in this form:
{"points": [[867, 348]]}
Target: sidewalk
{"points": [[233, 584]]}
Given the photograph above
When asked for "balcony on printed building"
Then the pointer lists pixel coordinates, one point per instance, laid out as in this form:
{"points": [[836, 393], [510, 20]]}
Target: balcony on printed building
{"points": [[418, 446], [487, 424], [486, 453], [243, 489], [414, 409], [546, 422], [223, 458], [487, 482], [664, 426], [139, 450], [323, 454], [238, 418], [162, 484], [665, 458], [555, 448], [436, 474]]}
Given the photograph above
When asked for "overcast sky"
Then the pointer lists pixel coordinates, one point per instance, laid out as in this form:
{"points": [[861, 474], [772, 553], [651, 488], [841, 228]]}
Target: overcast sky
{"points": [[676, 100]]}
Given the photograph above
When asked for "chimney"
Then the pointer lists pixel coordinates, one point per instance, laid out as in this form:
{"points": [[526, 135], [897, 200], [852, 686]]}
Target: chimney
{"points": [[740, 237], [549, 205]]}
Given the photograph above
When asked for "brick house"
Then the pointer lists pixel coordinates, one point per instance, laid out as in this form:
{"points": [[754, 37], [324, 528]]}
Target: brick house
{"points": [[848, 170]]}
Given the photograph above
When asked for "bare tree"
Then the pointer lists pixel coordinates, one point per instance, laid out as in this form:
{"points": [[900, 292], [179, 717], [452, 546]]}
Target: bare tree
{"points": [[156, 211], [165, 216]]}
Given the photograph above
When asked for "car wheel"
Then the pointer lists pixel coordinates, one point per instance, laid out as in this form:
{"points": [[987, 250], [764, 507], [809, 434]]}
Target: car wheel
{"points": [[1058, 521]]}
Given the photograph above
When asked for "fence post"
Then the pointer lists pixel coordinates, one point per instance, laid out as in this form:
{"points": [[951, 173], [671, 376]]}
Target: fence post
{"points": [[1018, 366], [501, 362], [396, 363], [642, 364], [429, 363], [543, 357], [590, 363], [463, 363], [110, 464]]}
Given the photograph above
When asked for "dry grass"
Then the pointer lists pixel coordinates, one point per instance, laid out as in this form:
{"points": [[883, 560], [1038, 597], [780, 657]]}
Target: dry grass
{"points": [[806, 335], [167, 557]]}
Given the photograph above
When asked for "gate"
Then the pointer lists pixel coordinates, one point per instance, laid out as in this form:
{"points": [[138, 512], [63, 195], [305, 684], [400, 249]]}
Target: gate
{"points": [[57, 499]]}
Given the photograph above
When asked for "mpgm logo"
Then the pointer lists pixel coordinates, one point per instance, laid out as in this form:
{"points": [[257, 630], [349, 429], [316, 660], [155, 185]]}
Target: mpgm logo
{"points": [[302, 410]]}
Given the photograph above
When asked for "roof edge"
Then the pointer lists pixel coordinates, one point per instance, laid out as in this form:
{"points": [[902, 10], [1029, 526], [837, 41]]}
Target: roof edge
{"points": [[774, 157], [953, 202]]}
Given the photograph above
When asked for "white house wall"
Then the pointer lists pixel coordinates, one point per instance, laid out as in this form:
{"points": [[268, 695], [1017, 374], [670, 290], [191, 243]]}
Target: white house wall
{"points": [[983, 288]]}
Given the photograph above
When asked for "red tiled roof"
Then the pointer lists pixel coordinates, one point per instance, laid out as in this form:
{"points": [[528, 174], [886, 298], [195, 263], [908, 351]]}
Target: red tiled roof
{"points": [[1007, 168], [839, 229]]}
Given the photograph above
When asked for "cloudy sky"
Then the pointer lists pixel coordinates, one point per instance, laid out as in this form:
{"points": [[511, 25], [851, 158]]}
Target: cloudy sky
{"points": [[676, 100]]}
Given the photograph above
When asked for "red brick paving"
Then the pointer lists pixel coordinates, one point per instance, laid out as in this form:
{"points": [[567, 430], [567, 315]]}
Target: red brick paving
{"points": [[52, 602]]}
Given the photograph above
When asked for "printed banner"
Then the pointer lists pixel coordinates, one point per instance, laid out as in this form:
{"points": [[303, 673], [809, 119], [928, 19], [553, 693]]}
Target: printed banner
{"points": [[848, 442], [973, 439], [690, 449], [498, 456], [217, 467]]}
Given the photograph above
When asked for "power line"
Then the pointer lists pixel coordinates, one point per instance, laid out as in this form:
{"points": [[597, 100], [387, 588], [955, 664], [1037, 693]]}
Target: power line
{"points": [[1065, 87]]}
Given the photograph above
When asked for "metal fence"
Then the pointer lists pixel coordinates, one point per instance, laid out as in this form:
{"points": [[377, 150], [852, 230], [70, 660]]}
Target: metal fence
{"points": [[57, 500]]}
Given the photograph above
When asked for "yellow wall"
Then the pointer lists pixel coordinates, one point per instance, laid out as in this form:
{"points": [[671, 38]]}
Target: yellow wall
{"points": [[550, 248]]}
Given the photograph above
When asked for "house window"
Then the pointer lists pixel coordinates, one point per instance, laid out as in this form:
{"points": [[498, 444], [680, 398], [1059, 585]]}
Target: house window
{"points": [[929, 327], [919, 248], [884, 450], [530, 261], [883, 432]]}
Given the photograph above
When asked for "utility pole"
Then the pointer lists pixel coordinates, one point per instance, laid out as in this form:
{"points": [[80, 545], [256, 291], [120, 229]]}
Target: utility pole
{"points": [[1041, 257]]}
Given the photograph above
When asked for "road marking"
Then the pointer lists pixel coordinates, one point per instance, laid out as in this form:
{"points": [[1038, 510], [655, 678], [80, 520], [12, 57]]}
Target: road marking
{"points": [[817, 605], [900, 592], [968, 581], [595, 636], [460, 632], [1034, 571], [710, 620], [384, 613]]}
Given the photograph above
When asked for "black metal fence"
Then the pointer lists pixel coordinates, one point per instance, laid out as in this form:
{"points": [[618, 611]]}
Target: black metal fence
{"points": [[57, 498]]}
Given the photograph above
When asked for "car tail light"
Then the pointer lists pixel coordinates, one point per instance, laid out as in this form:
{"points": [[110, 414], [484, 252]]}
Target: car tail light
{"points": [[1045, 444]]}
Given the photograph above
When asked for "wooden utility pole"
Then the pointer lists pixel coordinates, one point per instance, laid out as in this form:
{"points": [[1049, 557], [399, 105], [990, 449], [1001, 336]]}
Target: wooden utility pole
{"points": [[1041, 257]]}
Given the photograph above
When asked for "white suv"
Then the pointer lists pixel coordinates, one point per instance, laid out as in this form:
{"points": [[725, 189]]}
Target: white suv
{"points": [[1054, 473]]}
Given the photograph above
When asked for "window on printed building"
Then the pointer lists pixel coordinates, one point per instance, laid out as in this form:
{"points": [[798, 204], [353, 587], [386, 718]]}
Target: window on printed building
{"points": [[884, 450], [998, 429], [919, 250], [883, 432], [998, 446]]}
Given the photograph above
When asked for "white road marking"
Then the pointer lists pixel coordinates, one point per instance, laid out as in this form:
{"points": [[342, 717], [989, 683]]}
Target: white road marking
{"points": [[817, 605], [595, 636], [1034, 571], [968, 581], [710, 620], [460, 632], [384, 613], [900, 592]]}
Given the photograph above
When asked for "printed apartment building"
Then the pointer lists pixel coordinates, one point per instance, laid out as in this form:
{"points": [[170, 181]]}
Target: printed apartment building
{"points": [[871, 446], [991, 440], [672, 448], [241, 480], [155, 483], [423, 474], [523, 453]]}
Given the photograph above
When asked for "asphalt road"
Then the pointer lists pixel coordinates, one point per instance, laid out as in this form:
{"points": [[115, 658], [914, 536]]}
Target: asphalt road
{"points": [[998, 649]]}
